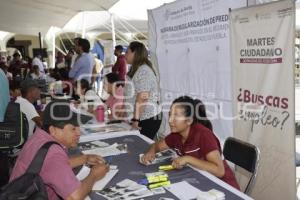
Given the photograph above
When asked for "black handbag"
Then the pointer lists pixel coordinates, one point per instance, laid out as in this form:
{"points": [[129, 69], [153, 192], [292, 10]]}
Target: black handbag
{"points": [[14, 128], [30, 185]]}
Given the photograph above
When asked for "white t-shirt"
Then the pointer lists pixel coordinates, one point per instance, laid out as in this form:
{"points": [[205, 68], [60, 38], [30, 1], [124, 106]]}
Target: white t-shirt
{"points": [[28, 109], [38, 62]]}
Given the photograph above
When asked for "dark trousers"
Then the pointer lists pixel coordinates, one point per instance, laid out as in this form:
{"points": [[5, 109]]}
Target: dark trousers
{"points": [[150, 126], [4, 169]]}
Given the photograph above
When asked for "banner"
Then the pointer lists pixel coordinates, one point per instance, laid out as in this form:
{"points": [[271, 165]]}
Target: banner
{"points": [[262, 42], [192, 46], [189, 42]]}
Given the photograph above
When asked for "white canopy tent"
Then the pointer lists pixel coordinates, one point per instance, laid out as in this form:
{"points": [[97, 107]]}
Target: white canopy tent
{"points": [[31, 16], [121, 20], [101, 21]]}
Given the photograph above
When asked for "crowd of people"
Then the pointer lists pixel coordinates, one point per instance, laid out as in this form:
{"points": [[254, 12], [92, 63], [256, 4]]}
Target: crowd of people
{"points": [[133, 97]]}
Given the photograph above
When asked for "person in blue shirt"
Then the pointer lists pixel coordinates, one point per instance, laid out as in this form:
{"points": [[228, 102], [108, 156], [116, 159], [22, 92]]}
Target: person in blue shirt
{"points": [[84, 62], [4, 94]]}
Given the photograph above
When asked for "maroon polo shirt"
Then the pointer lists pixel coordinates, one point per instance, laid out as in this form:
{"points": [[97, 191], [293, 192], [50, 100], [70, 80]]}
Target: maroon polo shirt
{"points": [[199, 143], [120, 67]]}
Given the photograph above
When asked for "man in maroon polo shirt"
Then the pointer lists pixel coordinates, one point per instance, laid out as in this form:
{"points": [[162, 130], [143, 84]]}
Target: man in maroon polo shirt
{"points": [[60, 125], [120, 66]]}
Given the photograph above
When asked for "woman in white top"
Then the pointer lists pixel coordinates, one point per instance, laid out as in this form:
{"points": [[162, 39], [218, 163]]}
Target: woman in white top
{"points": [[89, 99], [142, 91]]}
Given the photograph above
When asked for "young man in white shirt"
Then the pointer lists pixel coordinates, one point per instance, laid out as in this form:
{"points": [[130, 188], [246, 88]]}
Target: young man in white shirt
{"points": [[30, 94]]}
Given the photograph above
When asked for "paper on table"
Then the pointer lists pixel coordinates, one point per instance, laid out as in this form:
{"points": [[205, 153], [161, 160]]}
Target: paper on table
{"points": [[93, 124], [111, 150], [99, 185], [126, 189], [100, 143], [183, 190], [163, 156], [106, 129]]}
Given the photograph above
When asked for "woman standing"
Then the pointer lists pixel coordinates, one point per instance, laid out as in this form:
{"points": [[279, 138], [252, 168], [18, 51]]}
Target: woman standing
{"points": [[142, 91]]}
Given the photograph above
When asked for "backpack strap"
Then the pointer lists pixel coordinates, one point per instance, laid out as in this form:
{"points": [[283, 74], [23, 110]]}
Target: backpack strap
{"points": [[38, 160]]}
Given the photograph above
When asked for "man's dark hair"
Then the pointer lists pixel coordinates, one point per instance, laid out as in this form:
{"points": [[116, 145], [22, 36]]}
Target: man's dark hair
{"points": [[84, 84], [84, 44], [27, 85], [24, 91], [114, 78], [119, 48], [14, 85]]}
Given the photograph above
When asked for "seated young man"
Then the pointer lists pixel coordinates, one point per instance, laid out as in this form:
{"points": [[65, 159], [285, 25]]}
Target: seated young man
{"points": [[30, 94], [14, 90], [60, 125]]}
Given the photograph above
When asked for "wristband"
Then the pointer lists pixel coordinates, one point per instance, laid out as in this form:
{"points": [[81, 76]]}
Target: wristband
{"points": [[135, 120]]}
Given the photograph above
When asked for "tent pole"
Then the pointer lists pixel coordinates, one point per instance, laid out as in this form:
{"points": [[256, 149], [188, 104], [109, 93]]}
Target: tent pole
{"points": [[113, 34], [41, 48], [117, 34], [83, 25], [53, 50]]}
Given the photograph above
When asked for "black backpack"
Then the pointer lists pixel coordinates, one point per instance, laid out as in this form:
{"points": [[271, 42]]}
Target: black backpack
{"points": [[30, 185], [14, 128]]}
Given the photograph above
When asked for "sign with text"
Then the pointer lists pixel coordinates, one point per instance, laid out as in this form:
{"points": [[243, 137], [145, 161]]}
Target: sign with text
{"points": [[192, 46], [189, 43], [262, 41]]}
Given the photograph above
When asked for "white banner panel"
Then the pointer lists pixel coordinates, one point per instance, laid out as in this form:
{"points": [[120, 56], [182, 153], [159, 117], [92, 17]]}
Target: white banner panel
{"points": [[191, 41], [262, 41]]}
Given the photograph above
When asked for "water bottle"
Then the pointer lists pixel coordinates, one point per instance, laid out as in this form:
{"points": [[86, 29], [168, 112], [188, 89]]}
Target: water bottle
{"points": [[100, 113]]}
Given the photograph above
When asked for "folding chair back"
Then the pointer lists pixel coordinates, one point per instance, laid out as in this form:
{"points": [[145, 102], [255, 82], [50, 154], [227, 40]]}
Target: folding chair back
{"points": [[244, 155]]}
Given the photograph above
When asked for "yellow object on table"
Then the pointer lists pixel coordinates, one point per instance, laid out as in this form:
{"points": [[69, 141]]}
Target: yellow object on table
{"points": [[166, 167], [160, 184]]}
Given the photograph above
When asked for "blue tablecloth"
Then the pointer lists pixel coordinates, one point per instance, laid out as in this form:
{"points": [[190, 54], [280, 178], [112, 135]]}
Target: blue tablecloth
{"points": [[129, 167]]}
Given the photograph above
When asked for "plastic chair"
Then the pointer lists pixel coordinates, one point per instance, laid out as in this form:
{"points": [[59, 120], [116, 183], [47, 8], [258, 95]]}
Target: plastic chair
{"points": [[298, 165], [244, 155]]}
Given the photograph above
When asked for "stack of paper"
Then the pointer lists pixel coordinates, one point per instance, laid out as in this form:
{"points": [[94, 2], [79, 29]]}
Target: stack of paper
{"points": [[183, 190], [126, 189], [104, 128], [92, 145], [211, 195], [99, 185], [112, 150]]}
